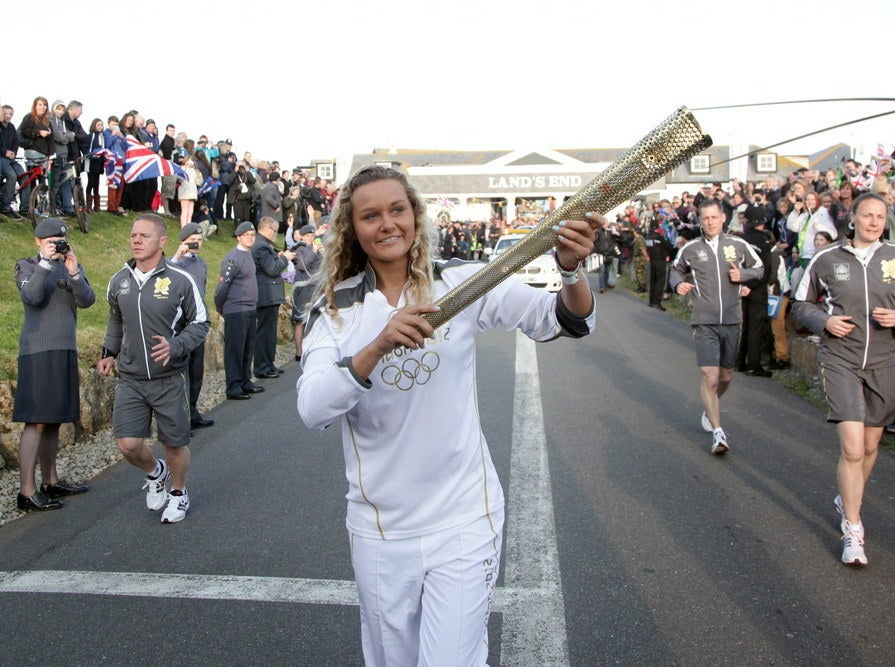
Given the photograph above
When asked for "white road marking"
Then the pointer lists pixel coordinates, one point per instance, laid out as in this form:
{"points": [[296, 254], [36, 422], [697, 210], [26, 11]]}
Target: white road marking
{"points": [[195, 586], [208, 587], [534, 626], [534, 629]]}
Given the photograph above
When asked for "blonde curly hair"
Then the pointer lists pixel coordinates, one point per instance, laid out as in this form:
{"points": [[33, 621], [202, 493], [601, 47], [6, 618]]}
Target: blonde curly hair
{"points": [[343, 256]]}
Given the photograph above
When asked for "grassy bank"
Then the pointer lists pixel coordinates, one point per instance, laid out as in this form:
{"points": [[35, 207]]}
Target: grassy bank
{"points": [[102, 252]]}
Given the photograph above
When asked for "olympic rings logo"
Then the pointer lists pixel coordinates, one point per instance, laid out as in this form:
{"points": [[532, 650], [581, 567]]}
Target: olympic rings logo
{"points": [[411, 371]]}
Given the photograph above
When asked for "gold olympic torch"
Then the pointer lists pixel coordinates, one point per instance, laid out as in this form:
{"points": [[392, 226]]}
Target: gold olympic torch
{"points": [[676, 139]]}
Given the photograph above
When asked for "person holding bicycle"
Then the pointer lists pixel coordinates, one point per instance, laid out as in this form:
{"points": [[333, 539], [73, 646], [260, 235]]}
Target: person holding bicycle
{"points": [[10, 170], [36, 138], [52, 287], [60, 184]]}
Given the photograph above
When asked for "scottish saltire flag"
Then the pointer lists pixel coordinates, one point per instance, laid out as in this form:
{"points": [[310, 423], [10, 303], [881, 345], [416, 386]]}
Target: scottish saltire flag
{"points": [[141, 163], [113, 166], [209, 185]]}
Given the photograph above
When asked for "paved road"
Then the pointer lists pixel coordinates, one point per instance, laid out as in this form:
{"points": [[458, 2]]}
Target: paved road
{"points": [[626, 542]]}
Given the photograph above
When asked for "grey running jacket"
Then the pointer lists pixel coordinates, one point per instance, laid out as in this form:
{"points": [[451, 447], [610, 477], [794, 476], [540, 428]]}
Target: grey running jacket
{"points": [[168, 304], [838, 282], [717, 298]]}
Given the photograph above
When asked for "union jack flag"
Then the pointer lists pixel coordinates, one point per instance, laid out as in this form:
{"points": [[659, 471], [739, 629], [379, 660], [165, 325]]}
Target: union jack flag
{"points": [[209, 185], [113, 165], [141, 163]]}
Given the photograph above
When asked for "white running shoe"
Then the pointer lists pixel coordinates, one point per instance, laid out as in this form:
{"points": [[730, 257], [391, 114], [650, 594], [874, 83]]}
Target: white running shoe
{"points": [[706, 424], [156, 493], [853, 545], [837, 501], [177, 507], [719, 444]]}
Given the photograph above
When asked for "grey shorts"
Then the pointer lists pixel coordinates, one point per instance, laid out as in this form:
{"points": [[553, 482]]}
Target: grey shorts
{"points": [[855, 395], [136, 401], [716, 344]]}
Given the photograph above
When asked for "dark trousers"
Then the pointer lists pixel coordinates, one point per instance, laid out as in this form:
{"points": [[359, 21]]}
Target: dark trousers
{"points": [[11, 170], [242, 210], [756, 326], [196, 370], [658, 275], [239, 343], [266, 339], [92, 187], [605, 270], [60, 190], [138, 195], [220, 199]]}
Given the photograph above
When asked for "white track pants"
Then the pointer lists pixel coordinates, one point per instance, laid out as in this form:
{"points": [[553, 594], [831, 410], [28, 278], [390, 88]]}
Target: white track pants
{"points": [[426, 600]]}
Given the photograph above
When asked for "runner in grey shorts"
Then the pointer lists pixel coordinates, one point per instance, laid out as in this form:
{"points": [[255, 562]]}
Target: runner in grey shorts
{"points": [[847, 298], [717, 264], [157, 318]]}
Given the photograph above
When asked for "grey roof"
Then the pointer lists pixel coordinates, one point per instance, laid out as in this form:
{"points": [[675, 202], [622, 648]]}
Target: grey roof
{"points": [[831, 157], [424, 158], [592, 155], [718, 156]]}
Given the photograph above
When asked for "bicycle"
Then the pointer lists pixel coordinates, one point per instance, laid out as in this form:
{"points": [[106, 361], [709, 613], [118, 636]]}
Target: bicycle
{"points": [[40, 204], [70, 172]]}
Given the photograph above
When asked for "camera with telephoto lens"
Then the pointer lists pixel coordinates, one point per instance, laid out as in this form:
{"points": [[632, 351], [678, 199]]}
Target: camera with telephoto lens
{"points": [[62, 246]]}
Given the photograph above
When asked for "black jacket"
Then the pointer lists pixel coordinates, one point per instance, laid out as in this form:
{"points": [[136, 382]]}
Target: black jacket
{"points": [[268, 272], [81, 136], [29, 129], [657, 246], [761, 243], [606, 245], [9, 139]]}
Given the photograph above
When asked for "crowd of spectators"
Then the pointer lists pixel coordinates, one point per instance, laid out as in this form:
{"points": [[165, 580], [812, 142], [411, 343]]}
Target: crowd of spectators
{"points": [[792, 215], [220, 185]]}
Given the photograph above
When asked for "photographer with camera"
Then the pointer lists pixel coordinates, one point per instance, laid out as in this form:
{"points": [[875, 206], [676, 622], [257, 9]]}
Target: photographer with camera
{"points": [[806, 219], [241, 188], [187, 258], [52, 287], [307, 261], [759, 211]]}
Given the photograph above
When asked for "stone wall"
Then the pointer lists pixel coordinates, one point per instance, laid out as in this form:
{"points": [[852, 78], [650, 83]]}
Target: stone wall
{"points": [[803, 355]]}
